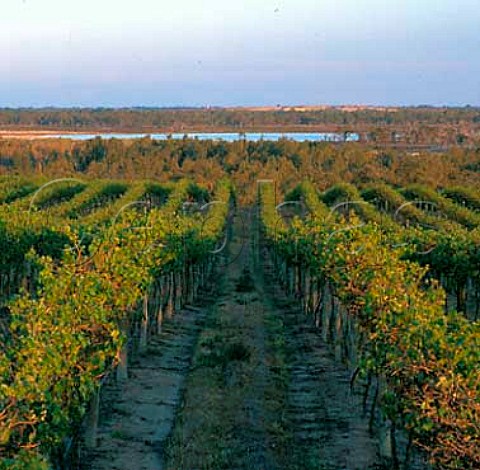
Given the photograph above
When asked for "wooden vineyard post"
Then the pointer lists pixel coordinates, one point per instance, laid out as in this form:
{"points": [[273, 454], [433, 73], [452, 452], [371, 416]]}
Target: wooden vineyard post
{"points": [[14, 279], [184, 283], [384, 430], [291, 280], [302, 288], [144, 325], [26, 277], [160, 317], [187, 288], [202, 275], [283, 273], [175, 292], [205, 273], [330, 316], [170, 304], [338, 336], [210, 267], [351, 341], [306, 291], [285, 278], [298, 281], [196, 274], [321, 299], [208, 271], [92, 420], [178, 292], [160, 294], [326, 312], [197, 279], [332, 319], [346, 319], [122, 367], [314, 298], [191, 283]]}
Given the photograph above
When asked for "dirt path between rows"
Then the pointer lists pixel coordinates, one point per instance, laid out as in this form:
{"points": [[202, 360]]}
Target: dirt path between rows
{"points": [[137, 416], [243, 384], [328, 429], [226, 415], [264, 392]]}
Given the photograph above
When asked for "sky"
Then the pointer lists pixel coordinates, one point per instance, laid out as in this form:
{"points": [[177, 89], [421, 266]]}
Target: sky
{"points": [[239, 52]]}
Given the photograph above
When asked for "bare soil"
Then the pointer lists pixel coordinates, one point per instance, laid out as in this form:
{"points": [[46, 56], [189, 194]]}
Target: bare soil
{"points": [[285, 405], [246, 383], [138, 415]]}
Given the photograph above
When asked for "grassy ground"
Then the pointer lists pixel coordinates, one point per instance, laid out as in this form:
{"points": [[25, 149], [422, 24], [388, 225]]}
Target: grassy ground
{"points": [[232, 416]]}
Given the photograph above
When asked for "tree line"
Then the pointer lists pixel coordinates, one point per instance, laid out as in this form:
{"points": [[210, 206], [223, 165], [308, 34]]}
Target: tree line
{"points": [[417, 125], [244, 162]]}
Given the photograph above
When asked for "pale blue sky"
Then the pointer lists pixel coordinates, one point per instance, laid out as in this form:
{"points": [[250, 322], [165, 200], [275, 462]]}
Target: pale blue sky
{"points": [[243, 52]]}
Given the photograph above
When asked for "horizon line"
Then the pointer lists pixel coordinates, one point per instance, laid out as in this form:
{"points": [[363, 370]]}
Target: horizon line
{"points": [[295, 107]]}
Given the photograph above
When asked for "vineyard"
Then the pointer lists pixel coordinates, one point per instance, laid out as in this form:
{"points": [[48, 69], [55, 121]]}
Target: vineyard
{"points": [[383, 283], [88, 273]]}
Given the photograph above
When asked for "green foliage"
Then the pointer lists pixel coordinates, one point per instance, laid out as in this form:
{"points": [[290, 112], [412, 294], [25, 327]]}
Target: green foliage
{"points": [[428, 359], [67, 334], [468, 197]]}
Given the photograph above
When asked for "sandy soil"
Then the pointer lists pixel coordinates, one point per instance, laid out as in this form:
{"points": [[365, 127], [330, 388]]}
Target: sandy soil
{"points": [[137, 416], [285, 405], [245, 384]]}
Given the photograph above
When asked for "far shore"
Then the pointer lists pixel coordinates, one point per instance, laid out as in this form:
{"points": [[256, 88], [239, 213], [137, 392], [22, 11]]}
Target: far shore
{"points": [[32, 134]]}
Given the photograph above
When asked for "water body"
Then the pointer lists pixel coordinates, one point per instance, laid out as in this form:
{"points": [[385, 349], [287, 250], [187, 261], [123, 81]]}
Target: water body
{"points": [[223, 136]]}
